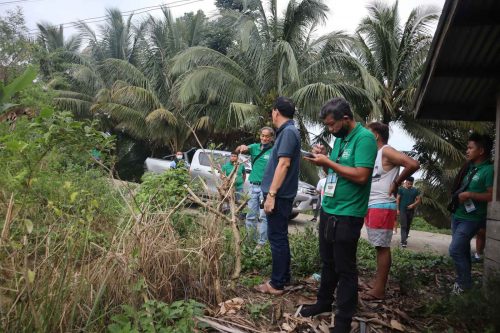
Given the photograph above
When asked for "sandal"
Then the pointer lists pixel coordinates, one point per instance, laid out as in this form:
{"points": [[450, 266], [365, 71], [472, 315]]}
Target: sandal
{"points": [[266, 288], [367, 296]]}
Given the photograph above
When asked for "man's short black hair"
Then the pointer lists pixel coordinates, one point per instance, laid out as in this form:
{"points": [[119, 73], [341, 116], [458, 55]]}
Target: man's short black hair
{"points": [[410, 179], [484, 141], [338, 108], [234, 152], [285, 106], [381, 129]]}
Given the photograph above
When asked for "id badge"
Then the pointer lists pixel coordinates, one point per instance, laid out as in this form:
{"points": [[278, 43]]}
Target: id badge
{"points": [[331, 183], [469, 206]]}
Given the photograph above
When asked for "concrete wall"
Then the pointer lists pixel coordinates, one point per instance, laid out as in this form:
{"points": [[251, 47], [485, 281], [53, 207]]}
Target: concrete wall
{"points": [[492, 250]]}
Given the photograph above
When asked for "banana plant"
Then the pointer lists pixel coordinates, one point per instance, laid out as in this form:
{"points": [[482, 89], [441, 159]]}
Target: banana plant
{"points": [[19, 83]]}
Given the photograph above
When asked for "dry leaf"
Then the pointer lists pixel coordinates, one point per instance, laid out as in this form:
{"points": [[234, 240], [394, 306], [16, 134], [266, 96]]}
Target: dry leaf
{"points": [[397, 325], [288, 328], [323, 327], [231, 306]]}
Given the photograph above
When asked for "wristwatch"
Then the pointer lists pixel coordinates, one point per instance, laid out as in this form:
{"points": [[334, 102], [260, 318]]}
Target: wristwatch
{"points": [[272, 194]]}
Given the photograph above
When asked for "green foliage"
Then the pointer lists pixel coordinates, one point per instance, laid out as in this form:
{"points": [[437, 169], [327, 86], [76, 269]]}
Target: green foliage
{"points": [[303, 248], [251, 281], [475, 310], [257, 309], [156, 316], [16, 49], [18, 84], [419, 223], [411, 269], [159, 192]]}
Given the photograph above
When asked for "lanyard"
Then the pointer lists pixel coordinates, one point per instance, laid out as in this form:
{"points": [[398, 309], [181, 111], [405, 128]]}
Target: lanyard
{"points": [[341, 150]]}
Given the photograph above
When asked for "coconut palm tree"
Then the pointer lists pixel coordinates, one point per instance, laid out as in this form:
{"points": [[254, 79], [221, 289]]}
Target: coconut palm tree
{"points": [[134, 98], [118, 37], [394, 54], [272, 56], [55, 51]]}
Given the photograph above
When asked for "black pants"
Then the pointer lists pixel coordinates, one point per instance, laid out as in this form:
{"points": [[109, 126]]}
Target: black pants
{"points": [[338, 243], [406, 217]]}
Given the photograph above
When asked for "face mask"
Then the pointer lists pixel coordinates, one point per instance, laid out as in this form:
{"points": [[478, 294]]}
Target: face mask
{"points": [[341, 133], [179, 157]]}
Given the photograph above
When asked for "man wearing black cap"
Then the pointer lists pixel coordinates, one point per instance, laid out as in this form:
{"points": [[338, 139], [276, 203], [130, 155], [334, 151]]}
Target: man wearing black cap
{"points": [[279, 186]]}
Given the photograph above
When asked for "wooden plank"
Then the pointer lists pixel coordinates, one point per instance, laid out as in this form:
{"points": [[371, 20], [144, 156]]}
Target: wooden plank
{"points": [[492, 250], [491, 268], [496, 184], [493, 229], [494, 210]]}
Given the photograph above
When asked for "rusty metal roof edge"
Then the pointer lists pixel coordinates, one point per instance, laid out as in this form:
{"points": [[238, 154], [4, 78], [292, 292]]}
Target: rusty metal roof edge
{"points": [[445, 20]]}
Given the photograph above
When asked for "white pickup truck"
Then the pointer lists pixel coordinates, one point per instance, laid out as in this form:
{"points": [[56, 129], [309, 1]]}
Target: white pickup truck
{"points": [[200, 165]]}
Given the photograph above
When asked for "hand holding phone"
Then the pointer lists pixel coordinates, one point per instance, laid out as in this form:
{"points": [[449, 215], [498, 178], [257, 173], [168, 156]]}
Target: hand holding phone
{"points": [[306, 154]]}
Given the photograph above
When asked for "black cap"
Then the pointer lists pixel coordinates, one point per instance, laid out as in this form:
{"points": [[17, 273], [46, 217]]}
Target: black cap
{"points": [[285, 106]]}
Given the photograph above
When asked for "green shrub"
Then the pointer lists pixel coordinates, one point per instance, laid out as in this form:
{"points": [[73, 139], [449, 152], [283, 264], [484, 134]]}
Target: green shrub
{"points": [[419, 223], [161, 191], [303, 248], [156, 316]]}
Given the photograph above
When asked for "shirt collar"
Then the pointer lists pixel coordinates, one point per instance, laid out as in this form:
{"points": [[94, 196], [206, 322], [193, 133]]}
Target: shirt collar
{"points": [[483, 163], [351, 134], [282, 127]]}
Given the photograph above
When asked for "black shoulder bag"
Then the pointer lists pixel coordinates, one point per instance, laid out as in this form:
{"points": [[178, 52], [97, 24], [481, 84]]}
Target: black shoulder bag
{"points": [[453, 205], [260, 154]]}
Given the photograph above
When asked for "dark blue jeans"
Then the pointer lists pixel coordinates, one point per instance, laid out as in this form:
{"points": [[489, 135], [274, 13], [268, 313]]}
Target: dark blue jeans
{"points": [[462, 233], [277, 233]]}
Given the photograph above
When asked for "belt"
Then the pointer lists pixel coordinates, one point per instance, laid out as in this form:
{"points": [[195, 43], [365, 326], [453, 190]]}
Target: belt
{"points": [[255, 183]]}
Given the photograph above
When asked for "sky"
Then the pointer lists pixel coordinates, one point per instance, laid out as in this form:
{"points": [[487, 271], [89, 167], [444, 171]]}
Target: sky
{"points": [[343, 15]]}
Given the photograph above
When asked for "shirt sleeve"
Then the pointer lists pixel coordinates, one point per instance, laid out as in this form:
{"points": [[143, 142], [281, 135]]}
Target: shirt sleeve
{"points": [[400, 191], [251, 149], [366, 152], [489, 177], [288, 144]]}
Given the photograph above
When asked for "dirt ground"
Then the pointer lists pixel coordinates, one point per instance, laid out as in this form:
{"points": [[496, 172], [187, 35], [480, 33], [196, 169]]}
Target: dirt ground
{"points": [[249, 311]]}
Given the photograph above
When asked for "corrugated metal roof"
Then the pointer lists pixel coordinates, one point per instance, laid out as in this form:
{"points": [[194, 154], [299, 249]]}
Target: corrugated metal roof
{"points": [[462, 75]]}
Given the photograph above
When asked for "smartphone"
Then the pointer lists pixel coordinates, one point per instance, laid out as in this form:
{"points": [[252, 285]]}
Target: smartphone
{"points": [[306, 154]]}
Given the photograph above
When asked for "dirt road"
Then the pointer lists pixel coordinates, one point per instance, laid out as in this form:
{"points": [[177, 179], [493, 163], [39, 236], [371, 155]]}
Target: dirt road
{"points": [[418, 241]]}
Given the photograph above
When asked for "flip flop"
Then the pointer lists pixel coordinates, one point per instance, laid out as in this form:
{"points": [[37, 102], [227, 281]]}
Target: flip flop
{"points": [[266, 288], [366, 296]]}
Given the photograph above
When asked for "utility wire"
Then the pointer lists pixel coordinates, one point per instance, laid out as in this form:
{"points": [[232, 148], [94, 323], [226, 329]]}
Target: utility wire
{"points": [[179, 3], [7, 3]]}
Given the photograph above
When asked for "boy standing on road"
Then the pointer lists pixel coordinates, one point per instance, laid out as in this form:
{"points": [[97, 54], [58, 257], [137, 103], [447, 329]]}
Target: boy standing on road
{"points": [[408, 199], [259, 153]]}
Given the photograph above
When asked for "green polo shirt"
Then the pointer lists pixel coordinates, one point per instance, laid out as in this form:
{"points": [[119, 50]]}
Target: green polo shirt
{"points": [[259, 166], [359, 149], [228, 168], [481, 181]]}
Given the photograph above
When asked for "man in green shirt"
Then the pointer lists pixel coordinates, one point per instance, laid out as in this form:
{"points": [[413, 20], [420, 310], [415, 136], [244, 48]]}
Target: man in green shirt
{"points": [[473, 189], [344, 206], [259, 153], [240, 174], [407, 200]]}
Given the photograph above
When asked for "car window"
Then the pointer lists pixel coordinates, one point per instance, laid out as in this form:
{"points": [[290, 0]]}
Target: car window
{"points": [[219, 159], [204, 160]]}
